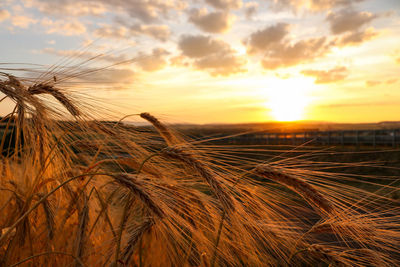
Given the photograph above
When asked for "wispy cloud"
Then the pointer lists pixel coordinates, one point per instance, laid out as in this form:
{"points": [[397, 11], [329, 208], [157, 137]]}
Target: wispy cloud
{"points": [[22, 21], [225, 4], [327, 76], [62, 27], [358, 37], [4, 14]]}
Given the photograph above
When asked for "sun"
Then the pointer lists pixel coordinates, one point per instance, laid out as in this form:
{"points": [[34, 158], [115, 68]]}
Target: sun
{"points": [[288, 99]]}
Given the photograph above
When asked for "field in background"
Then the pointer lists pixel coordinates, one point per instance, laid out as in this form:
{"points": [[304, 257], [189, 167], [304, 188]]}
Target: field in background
{"points": [[273, 142], [109, 193]]}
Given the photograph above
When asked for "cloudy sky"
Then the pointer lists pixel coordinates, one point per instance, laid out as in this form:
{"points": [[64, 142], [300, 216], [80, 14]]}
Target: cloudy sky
{"points": [[206, 61]]}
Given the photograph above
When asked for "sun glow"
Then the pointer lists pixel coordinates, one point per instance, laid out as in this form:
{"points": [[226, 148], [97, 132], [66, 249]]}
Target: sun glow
{"points": [[288, 99]]}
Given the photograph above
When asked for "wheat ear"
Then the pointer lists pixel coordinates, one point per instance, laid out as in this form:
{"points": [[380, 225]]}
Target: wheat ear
{"points": [[129, 181], [307, 191], [204, 171], [327, 255], [49, 89], [161, 128]]}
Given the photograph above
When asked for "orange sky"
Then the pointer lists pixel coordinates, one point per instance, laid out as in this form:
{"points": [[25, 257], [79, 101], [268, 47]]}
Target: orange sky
{"points": [[206, 61]]}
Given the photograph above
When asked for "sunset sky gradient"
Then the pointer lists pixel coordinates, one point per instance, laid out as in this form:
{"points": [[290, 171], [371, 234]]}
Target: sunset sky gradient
{"points": [[212, 61]]}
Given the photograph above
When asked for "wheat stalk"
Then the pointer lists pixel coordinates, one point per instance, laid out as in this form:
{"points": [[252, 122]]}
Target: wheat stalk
{"points": [[134, 237], [49, 213], [343, 227], [327, 255], [80, 239]]}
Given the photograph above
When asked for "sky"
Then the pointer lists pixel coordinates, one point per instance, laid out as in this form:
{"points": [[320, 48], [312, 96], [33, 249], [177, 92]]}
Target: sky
{"points": [[216, 61]]}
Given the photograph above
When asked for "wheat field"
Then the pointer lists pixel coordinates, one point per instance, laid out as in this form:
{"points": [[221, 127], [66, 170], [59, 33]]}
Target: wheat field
{"points": [[79, 191]]}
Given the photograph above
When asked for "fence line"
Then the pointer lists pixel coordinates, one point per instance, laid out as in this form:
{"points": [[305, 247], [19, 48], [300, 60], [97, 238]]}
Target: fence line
{"points": [[385, 137], [381, 137]]}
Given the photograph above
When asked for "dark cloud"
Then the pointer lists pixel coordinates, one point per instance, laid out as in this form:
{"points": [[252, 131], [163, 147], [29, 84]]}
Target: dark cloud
{"points": [[270, 36], [358, 37], [68, 7], [159, 32], [318, 5], [250, 9], [214, 56], [109, 31], [149, 10], [225, 4], [224, 63], [144, 10], [312, 5], [348, 20], [214, 22], [278, 51], [349, 25], [287, 55], [197, 46], [327, 76], [154, 61]]}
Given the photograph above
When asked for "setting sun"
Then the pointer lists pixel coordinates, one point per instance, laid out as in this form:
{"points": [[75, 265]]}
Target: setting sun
{"points": [[288, 99]]}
